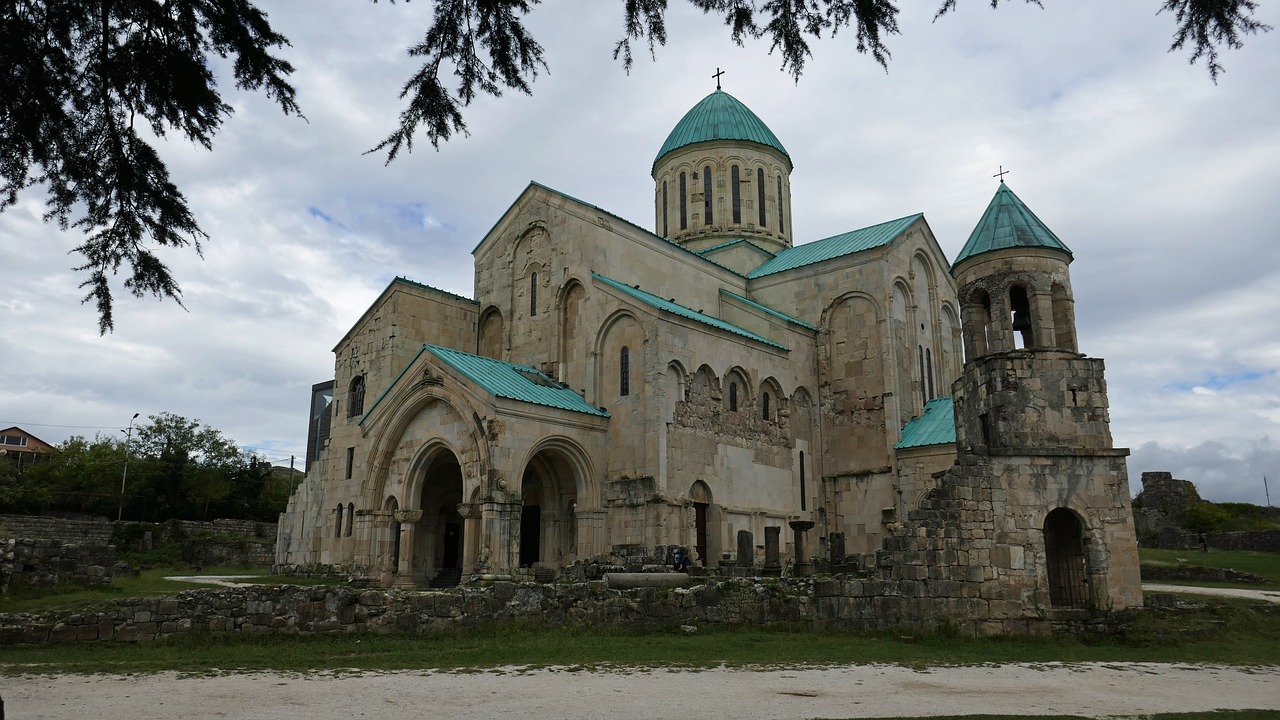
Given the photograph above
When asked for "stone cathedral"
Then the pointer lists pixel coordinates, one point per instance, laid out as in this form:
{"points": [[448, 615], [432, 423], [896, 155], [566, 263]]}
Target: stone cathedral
{"points": [[612, 391]]}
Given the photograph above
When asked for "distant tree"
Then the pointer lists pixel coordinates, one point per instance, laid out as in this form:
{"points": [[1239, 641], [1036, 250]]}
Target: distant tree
{"points": [[77, 78], [184, 468], [79, 475]]}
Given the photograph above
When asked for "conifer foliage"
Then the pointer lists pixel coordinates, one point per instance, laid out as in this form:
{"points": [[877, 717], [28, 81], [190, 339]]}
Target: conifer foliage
{"points": [[79, 78]]}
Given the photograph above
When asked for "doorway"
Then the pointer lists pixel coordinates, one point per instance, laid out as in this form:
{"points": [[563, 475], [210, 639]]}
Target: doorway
{"points": [[1065, 557]]}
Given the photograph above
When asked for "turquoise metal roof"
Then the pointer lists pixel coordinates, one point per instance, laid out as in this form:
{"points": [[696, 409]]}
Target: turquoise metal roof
{"points": [[835, 246], [677, 309], [514, 382], [1008, 223], [726, 245], [937, 426], [719, 116], [769, 310]]}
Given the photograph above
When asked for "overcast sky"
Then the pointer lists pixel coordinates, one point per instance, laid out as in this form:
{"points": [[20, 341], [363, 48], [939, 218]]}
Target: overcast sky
{"points": [[1165, 186]]}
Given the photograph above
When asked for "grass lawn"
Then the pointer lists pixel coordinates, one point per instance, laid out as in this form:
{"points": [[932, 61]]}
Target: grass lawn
{"points": [[1227, 632], [148, 583], [1266, 564]]}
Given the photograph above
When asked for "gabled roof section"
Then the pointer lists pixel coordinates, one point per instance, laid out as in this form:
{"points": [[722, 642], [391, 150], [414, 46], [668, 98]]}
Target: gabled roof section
{"points": [[768, 310], [397, 280], [937, 426], [533, 184], [719, 116], [835, 246], [732, 243], [514, 382], [1008, 223], [677, 309]]}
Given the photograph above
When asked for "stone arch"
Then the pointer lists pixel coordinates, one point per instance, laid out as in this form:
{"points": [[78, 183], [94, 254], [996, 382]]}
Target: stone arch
{"points": [[704, 385], [1064, 317], [902, 340], [976, 317], [706, 524], [387, 541], [1066, 559], [674, 389], [571, 335], [1021, 321], [737, 391], [621, 329], [802, 423], [436, 535], [560, 505], [924, 325], [491, 338], [771, 400], [857, 378], [947, 362]]}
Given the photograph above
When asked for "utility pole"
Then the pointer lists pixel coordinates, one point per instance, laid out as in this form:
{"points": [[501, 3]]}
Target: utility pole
{"points": [[128, 437]]}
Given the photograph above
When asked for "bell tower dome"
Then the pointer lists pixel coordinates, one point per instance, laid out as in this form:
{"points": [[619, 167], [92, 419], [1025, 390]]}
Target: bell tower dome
{"points": [[722, 175]]}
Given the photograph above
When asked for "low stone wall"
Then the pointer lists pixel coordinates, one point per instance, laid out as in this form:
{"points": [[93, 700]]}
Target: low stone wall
{"points": [[1200, 574], [47, 563], [1264, 540], [834, 603], [205, 552], [71, 532]]}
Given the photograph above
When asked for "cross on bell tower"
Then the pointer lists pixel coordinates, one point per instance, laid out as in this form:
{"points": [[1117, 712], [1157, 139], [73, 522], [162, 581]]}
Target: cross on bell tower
{"points": [[719, 72]]}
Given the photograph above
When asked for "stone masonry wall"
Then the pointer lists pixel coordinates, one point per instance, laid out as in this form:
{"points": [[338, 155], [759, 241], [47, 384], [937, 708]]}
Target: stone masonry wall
{"points": [[833, 603], [72, 532], [47, 563]]}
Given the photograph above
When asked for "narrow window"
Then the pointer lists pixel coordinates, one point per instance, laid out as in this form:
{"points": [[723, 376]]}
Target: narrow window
{"points": [[351, 461], [764, 406], [337, 530], [351, 516], [737, 195], [664, 208], [684, 205], [928, 368], [760, 193], [533, 294], [624, 371], [355, 403], [733, 397], [924, 387], [781, 225], [802, 489], [706, 195]]}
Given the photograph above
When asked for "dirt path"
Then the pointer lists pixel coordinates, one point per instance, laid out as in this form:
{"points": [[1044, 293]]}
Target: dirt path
{"points": [[1091, 689], [1251, 594]]}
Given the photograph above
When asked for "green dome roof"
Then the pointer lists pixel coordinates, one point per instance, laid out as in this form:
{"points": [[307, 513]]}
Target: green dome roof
{"points": [[1008, 223], [719, 116]]}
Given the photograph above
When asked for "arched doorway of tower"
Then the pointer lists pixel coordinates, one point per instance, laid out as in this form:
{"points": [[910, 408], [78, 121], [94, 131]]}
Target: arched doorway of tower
{"points": [[550, 514], [437, 551], [1065, 557]]}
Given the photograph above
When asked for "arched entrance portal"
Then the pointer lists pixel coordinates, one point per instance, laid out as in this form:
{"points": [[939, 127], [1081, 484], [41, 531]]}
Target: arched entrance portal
{"points": [[548, 517], [1065, 557], [438, 542], [700, 494]]}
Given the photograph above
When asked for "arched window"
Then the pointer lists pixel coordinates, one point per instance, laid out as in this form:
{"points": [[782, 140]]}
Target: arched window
{"points": [[533, 294], [733, 397], [337, 528], [928, 368], [737, 195], [351, 516], [1020, 307], [764, 406], [924, 384], [802, 488], [706, 195], [684, 204], [355, 397], [760, 193], [664, 208], [624, 371], [781, 224]]}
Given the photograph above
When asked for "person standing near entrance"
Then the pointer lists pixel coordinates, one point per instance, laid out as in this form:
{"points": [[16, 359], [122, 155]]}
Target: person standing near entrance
{"points": [[680, 561]]}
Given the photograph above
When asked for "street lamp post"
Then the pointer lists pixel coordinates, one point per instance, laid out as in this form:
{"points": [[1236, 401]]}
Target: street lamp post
{"points": [[128, 436]]}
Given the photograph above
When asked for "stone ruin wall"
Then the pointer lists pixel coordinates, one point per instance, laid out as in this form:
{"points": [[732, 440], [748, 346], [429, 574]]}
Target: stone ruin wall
{"points": [[48, 563], [291, 610], [72, 532]]}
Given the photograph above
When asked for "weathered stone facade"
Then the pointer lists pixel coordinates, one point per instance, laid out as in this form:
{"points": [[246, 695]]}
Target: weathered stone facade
{"points": [[611, 391]]}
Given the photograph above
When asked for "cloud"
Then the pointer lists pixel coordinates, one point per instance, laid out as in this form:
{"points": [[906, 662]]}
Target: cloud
{"points": [[1162, 183]]}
